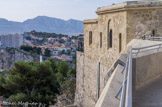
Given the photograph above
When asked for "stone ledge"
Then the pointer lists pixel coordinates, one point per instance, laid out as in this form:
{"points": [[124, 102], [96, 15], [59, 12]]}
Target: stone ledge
{"points": [[91, 21], [130, 5]]}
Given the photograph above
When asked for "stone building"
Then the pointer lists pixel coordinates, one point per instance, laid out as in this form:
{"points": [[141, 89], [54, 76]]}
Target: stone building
{"points": [[11, 40], [106, 37]]}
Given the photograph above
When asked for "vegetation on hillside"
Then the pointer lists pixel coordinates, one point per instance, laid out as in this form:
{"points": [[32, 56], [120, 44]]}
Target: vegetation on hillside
{"points": [[47, 52], [35, 50], [42, 37], [46, 35], [32, 50]]}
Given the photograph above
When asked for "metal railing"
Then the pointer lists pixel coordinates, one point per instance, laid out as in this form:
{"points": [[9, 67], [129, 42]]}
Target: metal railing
{"points": [[152, 38], [124, 82], [136, 51], [126, 88], [128, 98], [125, 79], [111, 69], [109, 72]]}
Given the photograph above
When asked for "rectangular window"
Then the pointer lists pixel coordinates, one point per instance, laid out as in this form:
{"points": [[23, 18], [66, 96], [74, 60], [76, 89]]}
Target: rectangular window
{"points": [[120, 42], [90, 37], [100, 39], [153, 33], [110, 41]]}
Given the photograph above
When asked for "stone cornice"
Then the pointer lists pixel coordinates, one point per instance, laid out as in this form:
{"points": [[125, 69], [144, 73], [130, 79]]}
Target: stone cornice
{"points": [[132, 5], [91, 21]]}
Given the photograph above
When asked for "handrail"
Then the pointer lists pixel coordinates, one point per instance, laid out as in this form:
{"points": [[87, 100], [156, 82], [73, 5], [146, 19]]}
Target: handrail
{"points": [[129, 83], [126, 95], [152, 38], [125, 79], [126, 101], [155, 37], [123, 85], [145, 47], [110, 70]]}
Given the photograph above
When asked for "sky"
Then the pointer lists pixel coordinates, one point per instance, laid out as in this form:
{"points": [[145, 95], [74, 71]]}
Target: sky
{"points": [[20, 10]]}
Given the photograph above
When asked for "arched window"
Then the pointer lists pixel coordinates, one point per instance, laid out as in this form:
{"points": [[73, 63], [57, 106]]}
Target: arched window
{"points": [[100, 39], [90, 37], [120, 42]]}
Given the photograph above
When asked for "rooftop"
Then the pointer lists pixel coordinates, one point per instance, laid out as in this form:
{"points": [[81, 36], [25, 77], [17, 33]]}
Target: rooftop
{"points": [[144, 4]]}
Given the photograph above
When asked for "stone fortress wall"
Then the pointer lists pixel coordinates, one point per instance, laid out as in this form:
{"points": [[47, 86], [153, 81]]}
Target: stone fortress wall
{"points": [[123, 22], [145, 22]]}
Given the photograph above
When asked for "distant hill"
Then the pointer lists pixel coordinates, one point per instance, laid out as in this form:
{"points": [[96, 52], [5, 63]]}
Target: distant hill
{"points": [[42, 24]]}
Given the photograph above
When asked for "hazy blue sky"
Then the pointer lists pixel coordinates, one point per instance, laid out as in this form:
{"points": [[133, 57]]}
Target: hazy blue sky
{"points": [[20, 10]]}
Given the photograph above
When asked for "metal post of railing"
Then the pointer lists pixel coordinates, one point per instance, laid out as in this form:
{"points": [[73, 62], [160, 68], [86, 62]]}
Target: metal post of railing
{"points": [[123, 68], [98, 81], [159, 47], [138, 52], [129, 83], [123, 89]]}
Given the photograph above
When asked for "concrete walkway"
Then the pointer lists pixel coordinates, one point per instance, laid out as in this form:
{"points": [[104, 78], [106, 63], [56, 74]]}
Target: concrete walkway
{"points": [[150, 95], [114, 83]]}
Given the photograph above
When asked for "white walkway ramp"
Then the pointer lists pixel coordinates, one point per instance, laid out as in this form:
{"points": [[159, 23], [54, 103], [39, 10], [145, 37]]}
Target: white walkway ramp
{"points": [[149, 95]]}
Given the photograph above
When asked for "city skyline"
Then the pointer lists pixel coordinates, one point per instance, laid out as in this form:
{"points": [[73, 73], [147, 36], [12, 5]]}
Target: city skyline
{"points": [[21, 10]]}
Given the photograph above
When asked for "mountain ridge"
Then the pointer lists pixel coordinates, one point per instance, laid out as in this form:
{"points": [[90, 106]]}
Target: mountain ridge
{"points": [[42, 24]]}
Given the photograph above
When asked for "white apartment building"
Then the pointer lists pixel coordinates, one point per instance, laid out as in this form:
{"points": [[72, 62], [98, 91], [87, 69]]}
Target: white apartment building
{"points": [[11, 40]]}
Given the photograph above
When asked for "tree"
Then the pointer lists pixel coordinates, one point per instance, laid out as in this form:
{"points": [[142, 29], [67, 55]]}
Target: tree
{"points": [[28, 38], [68, 52], [63, 51], [68, 83], [63, 68], [38, 51], [29, 81], [33, 50], [38, 82], [47, 52]]}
